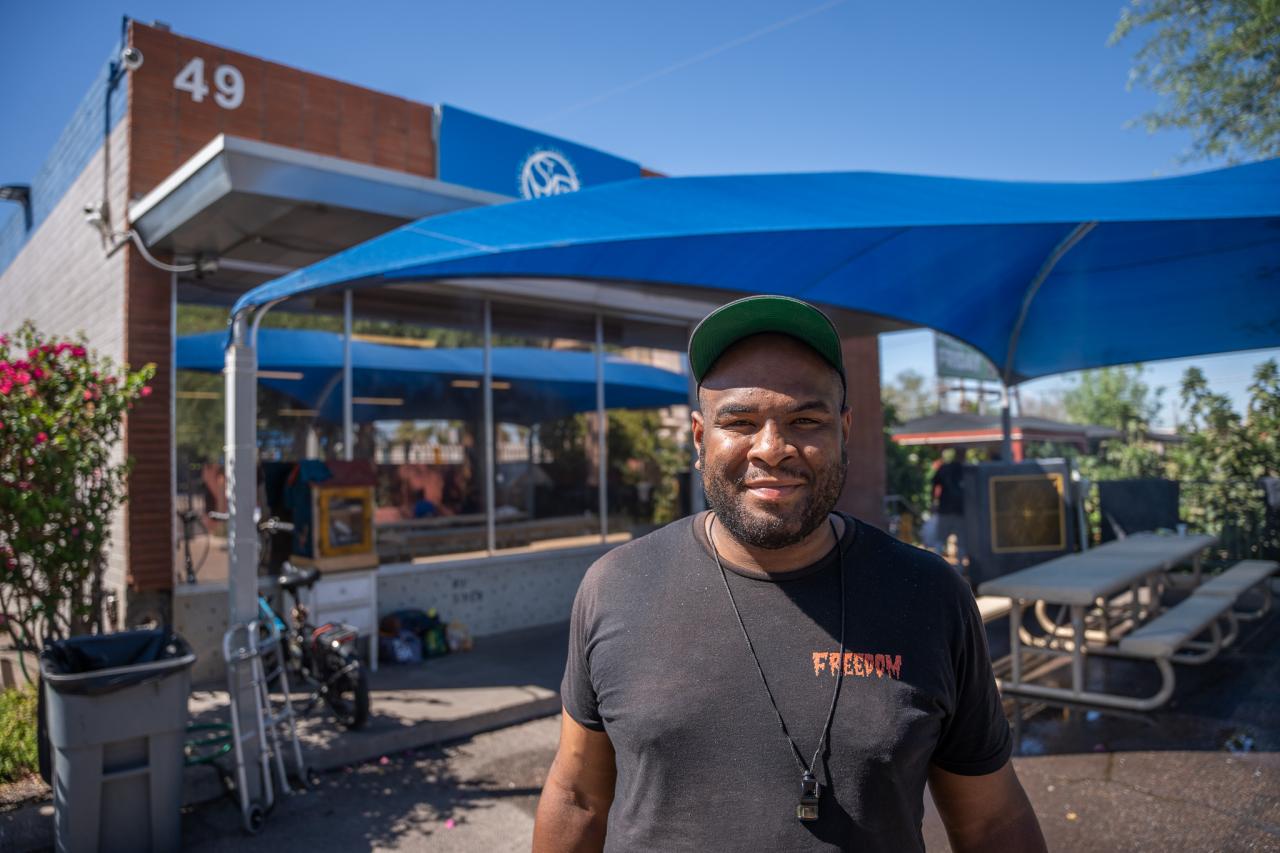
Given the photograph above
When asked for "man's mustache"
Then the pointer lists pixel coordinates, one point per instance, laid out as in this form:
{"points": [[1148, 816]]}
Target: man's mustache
{"points": [[756, 475]]}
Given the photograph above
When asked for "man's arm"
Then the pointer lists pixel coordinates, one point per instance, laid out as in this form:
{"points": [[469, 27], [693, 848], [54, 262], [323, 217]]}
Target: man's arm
{"points": [[574, 807], [988, 812]]}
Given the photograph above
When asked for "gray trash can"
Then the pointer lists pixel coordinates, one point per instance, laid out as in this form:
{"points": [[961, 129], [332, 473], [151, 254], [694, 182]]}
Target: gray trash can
{"points": [[116, 709]]}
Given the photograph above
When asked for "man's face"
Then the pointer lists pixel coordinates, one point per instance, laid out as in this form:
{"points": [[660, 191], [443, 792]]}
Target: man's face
{"points": [[770, 440]]}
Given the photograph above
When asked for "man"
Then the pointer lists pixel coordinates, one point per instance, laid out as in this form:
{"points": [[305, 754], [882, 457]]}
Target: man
{"points": [[948, 503], [770, 675]]}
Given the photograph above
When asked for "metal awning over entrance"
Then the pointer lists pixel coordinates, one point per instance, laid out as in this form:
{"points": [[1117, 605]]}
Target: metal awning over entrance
{"points": [[258, 210]]}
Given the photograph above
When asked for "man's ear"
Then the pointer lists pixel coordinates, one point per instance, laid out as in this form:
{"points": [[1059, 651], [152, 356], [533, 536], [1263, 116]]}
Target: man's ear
{"points": [[697, 426]]}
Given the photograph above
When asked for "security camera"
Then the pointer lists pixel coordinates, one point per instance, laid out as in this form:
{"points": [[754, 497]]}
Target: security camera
{"points": [[131, 59]]}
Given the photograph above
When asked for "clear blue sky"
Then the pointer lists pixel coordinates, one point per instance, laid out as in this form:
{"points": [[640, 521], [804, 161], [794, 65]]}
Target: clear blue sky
{"points": [[989, 88]]}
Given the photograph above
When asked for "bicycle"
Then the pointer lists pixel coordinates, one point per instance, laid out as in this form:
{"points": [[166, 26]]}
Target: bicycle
{"points": [[323, 659], [192, 527]]}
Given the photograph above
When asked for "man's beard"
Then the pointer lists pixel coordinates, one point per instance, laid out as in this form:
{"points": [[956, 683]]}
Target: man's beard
{"points": [[764, 528]]}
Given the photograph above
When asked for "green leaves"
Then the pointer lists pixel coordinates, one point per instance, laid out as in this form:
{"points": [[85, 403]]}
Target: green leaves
{"points": [[61, 414], [1217, 65]]}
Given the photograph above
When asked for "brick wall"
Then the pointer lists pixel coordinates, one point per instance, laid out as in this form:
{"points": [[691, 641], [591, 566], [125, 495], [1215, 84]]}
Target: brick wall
{"points": [[281, 105], [150, 511], [62, 280], [864, 486]]}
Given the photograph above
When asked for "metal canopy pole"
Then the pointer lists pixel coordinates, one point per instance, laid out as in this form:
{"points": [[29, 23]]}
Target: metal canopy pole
{"points": [[348, 426], [490, 498], [1006, 426], [1066, 245], [602, 443], [241, 452]]}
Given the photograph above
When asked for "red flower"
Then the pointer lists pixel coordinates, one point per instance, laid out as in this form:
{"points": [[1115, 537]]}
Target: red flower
{"points": [[146, 391], [37, 373], [42, 437], [78, 352], [5, 386], [21, 377], [33, 352], [88, 395]]}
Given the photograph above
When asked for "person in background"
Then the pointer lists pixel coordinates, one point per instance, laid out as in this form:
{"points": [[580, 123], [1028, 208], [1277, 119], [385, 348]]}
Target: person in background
{"points": [[948, 504]]}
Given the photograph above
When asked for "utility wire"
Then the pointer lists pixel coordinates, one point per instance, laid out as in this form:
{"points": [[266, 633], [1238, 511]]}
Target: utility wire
{"points": [[692, 60]]}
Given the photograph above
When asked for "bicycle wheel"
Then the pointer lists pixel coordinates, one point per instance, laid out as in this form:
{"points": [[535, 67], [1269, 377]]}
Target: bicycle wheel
{"points": [[347, 694]]}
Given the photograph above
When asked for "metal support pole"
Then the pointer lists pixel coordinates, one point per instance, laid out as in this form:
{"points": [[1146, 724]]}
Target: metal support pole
{"points": [[1077, 648], [241, 452], [602, 425], [174, 522], [1015, 641], [348, 425], [1006, 426], [491, 532]]}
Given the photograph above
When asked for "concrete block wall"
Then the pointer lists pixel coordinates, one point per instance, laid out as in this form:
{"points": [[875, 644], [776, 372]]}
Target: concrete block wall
{"points": [[62, 280], [488, 594]]}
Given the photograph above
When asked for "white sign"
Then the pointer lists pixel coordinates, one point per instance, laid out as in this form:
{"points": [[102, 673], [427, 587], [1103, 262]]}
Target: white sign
{"points": [[227, 79], [547, 172]]}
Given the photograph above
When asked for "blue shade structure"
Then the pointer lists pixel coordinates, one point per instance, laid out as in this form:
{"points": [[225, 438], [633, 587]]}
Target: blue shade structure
{"points": [[1040, 277], [439, 383]]}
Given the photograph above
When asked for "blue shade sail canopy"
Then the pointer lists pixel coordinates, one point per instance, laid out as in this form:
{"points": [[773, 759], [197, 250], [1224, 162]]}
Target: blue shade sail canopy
{"points": [[1144, 270], [530, 385]]}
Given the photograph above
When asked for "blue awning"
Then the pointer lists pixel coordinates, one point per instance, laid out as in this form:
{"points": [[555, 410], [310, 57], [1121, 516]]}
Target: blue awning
{"points": [[1168, 268], [531, 385]]}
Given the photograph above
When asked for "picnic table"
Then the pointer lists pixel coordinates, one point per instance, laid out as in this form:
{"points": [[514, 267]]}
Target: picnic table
{"points": [[1097, 585]]}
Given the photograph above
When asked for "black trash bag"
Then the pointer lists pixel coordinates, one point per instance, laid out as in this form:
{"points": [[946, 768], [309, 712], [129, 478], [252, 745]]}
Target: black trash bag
{"points": [[123, 659]]}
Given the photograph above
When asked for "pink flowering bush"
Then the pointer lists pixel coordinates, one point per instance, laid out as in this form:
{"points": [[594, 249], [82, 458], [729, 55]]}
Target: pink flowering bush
{"points": [[61, 412]]}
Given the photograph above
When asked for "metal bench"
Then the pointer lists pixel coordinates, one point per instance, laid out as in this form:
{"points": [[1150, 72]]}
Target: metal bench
{"points": [[1170, 638], [993, 607], [1238, 580]]}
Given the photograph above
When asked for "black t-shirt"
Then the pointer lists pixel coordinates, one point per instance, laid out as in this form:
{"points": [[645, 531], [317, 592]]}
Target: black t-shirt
{"points": [[658, 662], [951, 496]]}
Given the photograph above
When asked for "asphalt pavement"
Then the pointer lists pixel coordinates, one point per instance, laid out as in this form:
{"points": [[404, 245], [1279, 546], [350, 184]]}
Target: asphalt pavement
{"points": [[479, 795]]}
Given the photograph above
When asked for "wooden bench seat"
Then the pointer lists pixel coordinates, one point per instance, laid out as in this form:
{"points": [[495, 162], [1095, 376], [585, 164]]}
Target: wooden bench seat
{"points": [[1176, 629]]}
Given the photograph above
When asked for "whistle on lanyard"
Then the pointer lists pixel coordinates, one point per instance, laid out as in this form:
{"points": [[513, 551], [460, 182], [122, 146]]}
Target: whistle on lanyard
{"points": [[807, 810]]}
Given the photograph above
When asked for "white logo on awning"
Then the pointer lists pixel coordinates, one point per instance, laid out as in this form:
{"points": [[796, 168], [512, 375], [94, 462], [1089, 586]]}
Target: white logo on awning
{"points": [[547, 173]]}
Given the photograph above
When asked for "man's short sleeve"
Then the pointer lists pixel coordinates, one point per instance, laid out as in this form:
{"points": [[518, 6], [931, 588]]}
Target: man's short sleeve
{"points": [[975, 737], [576, 689]]}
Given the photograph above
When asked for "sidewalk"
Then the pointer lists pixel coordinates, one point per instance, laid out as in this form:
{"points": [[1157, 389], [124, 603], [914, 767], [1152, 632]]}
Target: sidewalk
{"points": [[506, 679]]}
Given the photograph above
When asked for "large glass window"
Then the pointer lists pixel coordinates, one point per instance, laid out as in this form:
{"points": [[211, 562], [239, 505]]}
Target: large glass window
{"points": [[419, 411], [420, 430], [546, 432]]}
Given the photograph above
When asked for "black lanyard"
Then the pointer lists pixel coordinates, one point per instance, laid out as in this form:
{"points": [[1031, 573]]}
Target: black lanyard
{"points": [[810, 790]]}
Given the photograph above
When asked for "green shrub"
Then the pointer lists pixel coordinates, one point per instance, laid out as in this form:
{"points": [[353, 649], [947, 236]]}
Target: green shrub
{"points": [[17, 733]]}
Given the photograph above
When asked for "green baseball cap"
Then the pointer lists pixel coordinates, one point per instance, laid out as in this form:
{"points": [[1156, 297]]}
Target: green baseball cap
{"points": [[754, 315]]}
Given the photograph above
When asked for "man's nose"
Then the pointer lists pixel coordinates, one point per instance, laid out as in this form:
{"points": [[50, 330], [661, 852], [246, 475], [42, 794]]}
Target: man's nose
{"points": [[770, 446]]}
